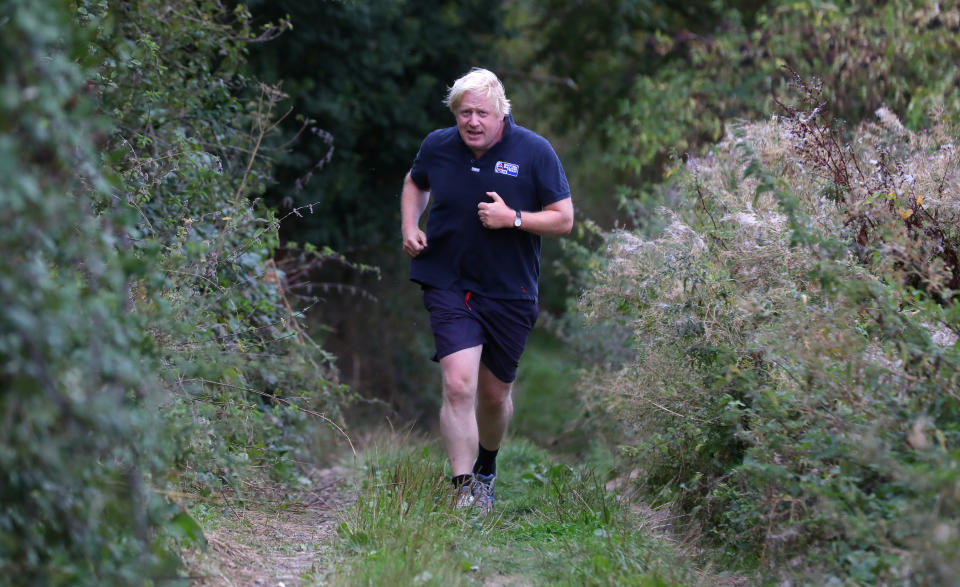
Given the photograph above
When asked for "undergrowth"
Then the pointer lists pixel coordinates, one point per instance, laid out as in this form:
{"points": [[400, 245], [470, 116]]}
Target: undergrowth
{"points": [[795, 365]]}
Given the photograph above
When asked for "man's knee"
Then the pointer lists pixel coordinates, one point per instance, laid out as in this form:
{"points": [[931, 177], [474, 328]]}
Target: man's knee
{"points": [[498, 404], [495, 396], [459, 387]]}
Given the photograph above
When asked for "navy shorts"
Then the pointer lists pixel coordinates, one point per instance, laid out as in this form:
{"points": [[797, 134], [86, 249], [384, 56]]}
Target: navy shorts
{"points": [[462, 320]]}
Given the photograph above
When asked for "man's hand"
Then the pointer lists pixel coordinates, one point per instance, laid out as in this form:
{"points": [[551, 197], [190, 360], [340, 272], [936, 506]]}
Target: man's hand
{"points": [[414, 241], [495, 214], [413, 201]]}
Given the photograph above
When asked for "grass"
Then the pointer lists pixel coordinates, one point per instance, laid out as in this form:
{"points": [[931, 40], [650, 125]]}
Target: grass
{"points": [[554, 524]]}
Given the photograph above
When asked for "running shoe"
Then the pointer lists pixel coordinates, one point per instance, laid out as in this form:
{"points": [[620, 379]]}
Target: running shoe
{"points": [[463, 497], [482, 490]]}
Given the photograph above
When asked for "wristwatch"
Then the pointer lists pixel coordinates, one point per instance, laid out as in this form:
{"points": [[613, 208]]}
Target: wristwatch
{"points": [[518, 221]]}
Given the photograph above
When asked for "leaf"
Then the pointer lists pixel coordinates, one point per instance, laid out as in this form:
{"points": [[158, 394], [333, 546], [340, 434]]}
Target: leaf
{"points": [[184, 526], [905, 213]]}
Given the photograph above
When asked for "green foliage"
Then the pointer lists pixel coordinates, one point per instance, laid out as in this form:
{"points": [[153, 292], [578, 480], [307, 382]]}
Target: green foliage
{"points": [[643, 79], [244, 375], [78, 447], [149, 343], [363, 73], [794, 382], [901, 55]]}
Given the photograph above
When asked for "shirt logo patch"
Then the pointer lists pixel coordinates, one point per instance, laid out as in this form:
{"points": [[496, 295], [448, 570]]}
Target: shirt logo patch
{"points": [[511, 169]]}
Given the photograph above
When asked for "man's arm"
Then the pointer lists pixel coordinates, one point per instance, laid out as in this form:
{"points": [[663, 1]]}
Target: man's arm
{"points": [[555, 219], [413, 201]]}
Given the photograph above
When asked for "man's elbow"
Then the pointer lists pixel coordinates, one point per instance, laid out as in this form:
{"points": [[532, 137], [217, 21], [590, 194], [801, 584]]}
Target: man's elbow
{"points": [[566, 225], [561, 219]]}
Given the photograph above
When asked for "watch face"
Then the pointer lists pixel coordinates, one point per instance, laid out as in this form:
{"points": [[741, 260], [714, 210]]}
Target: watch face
{"points": [[517, 221]]}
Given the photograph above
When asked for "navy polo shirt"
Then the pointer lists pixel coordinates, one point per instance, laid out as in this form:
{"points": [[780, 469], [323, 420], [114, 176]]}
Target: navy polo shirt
{"points": [[461, 254]]}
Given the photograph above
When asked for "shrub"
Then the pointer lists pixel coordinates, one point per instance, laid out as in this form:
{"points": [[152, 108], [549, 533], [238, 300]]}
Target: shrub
{"points": [[148, 341], [191, 152], [78, 442], [795, 366]]}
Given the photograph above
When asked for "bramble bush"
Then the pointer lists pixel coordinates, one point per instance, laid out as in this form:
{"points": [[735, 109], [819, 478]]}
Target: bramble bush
{"points": [[793, 383], [150, 351]]}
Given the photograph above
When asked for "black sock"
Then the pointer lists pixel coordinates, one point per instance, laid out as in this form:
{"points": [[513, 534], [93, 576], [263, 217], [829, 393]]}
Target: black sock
{"points": [[486, 462], [461, 480]]}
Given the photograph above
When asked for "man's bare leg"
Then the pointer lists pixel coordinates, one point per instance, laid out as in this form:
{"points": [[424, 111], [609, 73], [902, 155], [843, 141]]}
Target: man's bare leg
{"points": [[458, 415], [494, 408]]}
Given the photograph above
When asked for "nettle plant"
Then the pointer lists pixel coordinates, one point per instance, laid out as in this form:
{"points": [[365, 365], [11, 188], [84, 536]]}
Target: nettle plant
{"points": [[794, 382]]}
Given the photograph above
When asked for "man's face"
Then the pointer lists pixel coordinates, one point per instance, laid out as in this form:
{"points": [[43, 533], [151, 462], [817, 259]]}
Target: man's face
{"points": [[478, 122]]}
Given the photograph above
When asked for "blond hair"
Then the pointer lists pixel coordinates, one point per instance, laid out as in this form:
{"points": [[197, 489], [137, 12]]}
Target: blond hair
{"points": [[483, 82]]}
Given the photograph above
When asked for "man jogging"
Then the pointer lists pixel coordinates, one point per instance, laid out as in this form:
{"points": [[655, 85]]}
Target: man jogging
{"points": [[497, 188]]}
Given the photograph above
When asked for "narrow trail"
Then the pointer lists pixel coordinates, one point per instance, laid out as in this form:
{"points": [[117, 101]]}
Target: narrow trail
{"points": [[275, 543], [286, 540], [281, 538]]}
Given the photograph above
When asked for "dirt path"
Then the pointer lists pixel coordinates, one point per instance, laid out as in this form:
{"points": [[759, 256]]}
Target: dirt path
{"points": [[283, 539], [276, 542]]}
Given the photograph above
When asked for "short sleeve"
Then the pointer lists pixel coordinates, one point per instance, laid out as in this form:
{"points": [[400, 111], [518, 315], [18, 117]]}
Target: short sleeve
{"points": [[552, 183], [418, 172]]}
